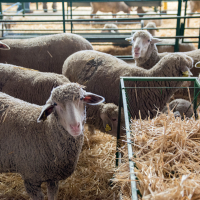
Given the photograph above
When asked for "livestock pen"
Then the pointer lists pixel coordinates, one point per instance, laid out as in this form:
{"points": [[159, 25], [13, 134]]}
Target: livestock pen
{"points": [[96, 167], [151, 149]]}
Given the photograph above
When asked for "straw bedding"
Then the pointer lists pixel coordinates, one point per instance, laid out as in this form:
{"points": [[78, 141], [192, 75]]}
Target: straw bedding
{"points": [[167, 157], [91, 179]]}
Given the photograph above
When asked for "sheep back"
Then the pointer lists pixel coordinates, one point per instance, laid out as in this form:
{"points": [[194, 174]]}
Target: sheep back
{"points": [[44, 53], [101, 72], [27, 84]]}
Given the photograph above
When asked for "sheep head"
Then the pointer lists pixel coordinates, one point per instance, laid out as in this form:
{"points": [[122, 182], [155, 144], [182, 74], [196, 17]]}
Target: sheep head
{"points": [[67, 102], [141, 42]]}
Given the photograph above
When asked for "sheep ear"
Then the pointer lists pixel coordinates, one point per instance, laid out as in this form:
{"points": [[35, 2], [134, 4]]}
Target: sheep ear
{"points": [[129, 39], [4, 46], [46, 111], [93, 99], [155, 40]]}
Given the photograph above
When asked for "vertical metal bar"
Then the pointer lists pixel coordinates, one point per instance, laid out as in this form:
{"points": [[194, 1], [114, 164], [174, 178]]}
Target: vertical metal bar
{"points": [[178, 22], [63, 13], [1, 17], [23, 7], [36, 5], [118, 125], [185, 13], [67, 9], [199, 40], [195, 100], [71, 15], [130, 152]]}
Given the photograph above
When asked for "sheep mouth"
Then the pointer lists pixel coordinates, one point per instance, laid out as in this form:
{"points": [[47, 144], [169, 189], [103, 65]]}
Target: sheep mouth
{"points": [[136, 55]]}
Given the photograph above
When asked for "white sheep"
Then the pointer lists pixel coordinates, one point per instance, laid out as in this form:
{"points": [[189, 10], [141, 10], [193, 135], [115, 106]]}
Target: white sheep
{"points": [[145, 52], [101, 73], [113, 7], [183, 47], [44, 53], [180, 107], [47, 151]]}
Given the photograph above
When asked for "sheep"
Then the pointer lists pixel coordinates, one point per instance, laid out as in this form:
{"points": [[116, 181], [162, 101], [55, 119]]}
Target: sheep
{"points": [[180, 107], [194, 7], [27, 84], [43, 143], [183, 47], [54, 6], [101, 72], [110, 28], [104, 117], [158, 22], [113, 7], [140, 10], [146, 55], [44, 53], [35, 87]]}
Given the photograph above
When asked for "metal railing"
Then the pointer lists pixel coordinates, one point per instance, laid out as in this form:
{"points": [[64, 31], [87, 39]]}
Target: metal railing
{"points": [[127, 115]]}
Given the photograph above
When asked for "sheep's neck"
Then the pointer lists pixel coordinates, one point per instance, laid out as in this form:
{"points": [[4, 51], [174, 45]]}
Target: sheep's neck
{"points": [[150, 59]]}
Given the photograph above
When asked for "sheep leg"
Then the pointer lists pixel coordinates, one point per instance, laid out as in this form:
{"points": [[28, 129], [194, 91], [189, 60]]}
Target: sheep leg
{"points": [[34, 190], [52, 187], [45, 6]]}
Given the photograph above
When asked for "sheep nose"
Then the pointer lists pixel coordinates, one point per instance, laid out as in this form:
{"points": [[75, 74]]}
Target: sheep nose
{"points": [[75, 127], [136, 49]]}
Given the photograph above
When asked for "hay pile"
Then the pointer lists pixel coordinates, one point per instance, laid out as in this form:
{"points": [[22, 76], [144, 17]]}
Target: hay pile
{"points": [[167, 156], [90, 181]]}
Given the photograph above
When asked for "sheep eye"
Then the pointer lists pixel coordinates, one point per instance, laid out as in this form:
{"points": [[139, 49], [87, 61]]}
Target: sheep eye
{"points": [[148, 40], [55, 104]]}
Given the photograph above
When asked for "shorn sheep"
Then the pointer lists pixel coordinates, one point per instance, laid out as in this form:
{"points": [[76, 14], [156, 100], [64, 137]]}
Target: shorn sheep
{"points": [[101, 72], [145, 52], [35, 87], [44, 53], [113, 7], [47, 151], [183, 47], [181, 107]]}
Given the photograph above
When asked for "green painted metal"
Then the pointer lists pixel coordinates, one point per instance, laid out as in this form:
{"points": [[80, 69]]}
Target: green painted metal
{"points": [[63, 14], [124, 98], [176, 47], [130, 153]]}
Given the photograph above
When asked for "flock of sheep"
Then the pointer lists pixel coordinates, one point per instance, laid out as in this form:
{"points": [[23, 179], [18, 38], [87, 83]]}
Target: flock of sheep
{"points": [[43, 97]]}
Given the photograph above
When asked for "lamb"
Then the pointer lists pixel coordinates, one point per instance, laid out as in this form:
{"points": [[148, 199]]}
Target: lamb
{"points": [[47, 151], [101, 73], [110, 28], [104, 117], [194, 7], [44, 53], [146, 54], [183, 47], [180, 107], [113, 7]]}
